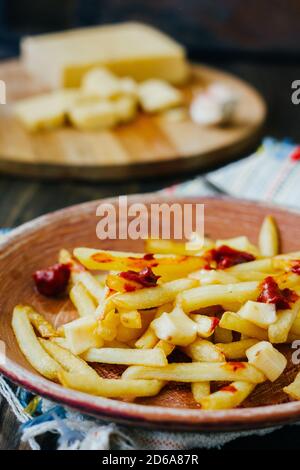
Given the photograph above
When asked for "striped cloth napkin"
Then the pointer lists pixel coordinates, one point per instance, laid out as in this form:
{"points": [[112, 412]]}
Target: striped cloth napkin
{"points": [[272, 173]]}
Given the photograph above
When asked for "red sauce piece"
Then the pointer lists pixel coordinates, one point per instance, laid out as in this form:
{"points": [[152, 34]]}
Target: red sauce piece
{"points": [[101, 258], [145, 277], [234, 366], [148, 256], [295, 155], [225, 257], [53, 280], [129, 287], [214, 323], [296, 267], [271, 294], [228, 388]]}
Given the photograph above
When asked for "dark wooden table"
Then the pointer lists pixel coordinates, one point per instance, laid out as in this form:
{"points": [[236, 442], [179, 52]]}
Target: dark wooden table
{"points": [[22, 200]]}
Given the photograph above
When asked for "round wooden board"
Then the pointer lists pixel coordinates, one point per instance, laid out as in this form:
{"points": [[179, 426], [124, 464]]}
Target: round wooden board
{"points": [[36, 245], [148, 146]]}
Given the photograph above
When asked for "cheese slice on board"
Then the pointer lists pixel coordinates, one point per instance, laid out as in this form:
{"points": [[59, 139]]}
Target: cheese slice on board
{"points": [[127, 49], [46, 111]]}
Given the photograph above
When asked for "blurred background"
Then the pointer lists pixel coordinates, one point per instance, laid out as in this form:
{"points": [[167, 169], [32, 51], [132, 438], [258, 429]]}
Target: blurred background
{"points": [[256, 40]]}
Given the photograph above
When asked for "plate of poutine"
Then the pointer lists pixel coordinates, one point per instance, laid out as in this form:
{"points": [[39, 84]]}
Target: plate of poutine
{"points": [[153, 332]]}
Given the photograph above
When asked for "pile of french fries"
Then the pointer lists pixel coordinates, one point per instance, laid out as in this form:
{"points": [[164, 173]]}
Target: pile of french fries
{"points": [[211, 315]]}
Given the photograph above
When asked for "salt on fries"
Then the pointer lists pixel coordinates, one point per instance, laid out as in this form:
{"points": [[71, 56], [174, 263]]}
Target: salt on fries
{"points": [[218, 302]]}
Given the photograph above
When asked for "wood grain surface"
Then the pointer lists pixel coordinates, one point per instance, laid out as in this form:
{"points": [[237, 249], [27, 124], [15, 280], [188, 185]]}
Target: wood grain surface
{"points": [[37, 244], [149, 146]]}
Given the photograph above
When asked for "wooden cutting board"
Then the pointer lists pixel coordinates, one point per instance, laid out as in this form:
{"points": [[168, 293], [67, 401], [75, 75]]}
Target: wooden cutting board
{"points": [[149, 146]]}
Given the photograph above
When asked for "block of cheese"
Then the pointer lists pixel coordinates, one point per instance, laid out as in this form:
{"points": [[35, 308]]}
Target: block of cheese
{"points": [[127, 49], [45, 111], [158, 95], [100, 82], [126, 108], [93, 116]]}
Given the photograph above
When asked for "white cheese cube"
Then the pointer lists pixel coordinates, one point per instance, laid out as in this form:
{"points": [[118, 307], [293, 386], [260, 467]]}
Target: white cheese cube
{"points": [[82, 334], [267, 359], [158, 95], [45, 111], [102, 83], [98, 115], [260, 314], [175, 327]]}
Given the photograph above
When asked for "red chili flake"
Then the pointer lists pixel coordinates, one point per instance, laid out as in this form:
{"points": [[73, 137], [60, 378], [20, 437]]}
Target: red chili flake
{"points": [[296, 267], [295, 155], [101, 258], [148, 256], [53, 280], [145, 277], [272, 294], [214, 323], [234, 366], [207, 267], [129, 287], [228, 388], [225, 256]]}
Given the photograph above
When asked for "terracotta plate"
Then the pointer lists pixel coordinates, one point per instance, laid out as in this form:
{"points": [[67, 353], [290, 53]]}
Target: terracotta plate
{"points": [[36, 245]]}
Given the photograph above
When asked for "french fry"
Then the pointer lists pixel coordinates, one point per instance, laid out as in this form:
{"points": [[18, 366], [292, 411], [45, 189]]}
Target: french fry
{"points": [[153, 296], [82, 334], [115, 344], [108, 326], [205, 325], [61, 342], [30, 346], [80, 274], [227, 397], [42, 326], [221, 335], [128, 335], [166, 347], [147, 341], [262, 265], [295, 329], [92, 285], [293, 390], [106, 305], [261, 314], [207, 277], [236, 349], [198, 372], [149, 338], [202, 350], [267, 359], [151, 357], [66, 359], [110, 388], [173, 265], [269, 237], [205, 296], [200, 390], [246, 276], [175, 327], [120, 284], [131, 319], [167, 247], [293, 255], [82, 300], [278, 331], [232, 321]]}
